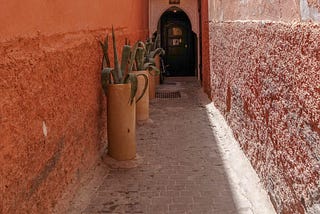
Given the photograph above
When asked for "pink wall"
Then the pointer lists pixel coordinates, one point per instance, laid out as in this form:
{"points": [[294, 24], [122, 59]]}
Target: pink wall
{"points": [[265, 79], [264, 73], [52, 109]]}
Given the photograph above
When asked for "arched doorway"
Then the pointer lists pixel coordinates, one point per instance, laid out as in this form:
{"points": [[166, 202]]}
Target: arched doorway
{"points": [[179, 42]]}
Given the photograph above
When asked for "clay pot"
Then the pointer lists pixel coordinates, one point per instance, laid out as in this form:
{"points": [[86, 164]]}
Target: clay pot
{"points": [[152, 85], [142, 106], [157, 62], [121, 122]]}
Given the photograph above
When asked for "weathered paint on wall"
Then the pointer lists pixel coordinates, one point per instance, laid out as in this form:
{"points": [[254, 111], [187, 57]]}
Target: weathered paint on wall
{"points": [[310, 10], [226, 10], [265, 79], [52, 109]]}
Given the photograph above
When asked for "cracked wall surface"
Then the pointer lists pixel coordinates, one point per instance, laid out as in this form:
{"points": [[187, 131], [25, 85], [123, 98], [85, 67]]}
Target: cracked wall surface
{"points": [[265, 79], [52, 108]]}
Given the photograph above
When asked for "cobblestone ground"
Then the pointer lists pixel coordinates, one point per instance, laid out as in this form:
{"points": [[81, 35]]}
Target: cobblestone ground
{"points": [[179, 168]]}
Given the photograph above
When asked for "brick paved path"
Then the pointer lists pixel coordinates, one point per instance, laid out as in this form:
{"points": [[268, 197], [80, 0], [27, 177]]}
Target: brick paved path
{"points": [[179, 168]]}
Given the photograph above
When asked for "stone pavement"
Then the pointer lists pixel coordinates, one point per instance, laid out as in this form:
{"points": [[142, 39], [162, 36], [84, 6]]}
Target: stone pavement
{"points": [[179, 168]]}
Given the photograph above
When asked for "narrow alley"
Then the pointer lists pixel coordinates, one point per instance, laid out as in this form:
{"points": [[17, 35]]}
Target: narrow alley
{"points": [[183, 165], [234, 128]]}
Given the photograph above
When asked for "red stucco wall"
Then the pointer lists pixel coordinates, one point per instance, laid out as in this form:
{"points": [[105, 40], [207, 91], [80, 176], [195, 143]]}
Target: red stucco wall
{"points": [[52, 110], [266, 81]]}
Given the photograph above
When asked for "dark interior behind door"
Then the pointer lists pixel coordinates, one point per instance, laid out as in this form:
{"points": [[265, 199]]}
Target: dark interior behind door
{"points": [[178, 43]]}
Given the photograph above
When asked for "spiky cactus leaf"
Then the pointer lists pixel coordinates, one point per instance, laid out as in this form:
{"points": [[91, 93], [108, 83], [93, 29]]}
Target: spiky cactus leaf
{"points": [[149, 45], [106, 78], [158, 51], [151, 60], [151, 67], [156, 42], [132, 78], [117, 72], [133, 55], [140, 58], [145, 85], [124, 61], [105, 46]]}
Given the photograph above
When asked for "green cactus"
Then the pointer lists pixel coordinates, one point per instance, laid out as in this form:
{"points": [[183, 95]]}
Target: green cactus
{"points": [[119, 74], [137, 54], [141, 60], [151, 52], [105, 58]]}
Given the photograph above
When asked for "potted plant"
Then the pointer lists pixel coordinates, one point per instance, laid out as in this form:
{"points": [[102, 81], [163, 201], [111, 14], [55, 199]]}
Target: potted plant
{"points": [[120, 88], [154, 54], [137, 66], [143, 56]]}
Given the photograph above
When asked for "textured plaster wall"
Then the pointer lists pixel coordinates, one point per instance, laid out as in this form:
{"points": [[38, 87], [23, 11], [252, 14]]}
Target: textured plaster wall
{"points": [[264, 67], [284, 10], [265, 79], [52, 109], [310, 10]]}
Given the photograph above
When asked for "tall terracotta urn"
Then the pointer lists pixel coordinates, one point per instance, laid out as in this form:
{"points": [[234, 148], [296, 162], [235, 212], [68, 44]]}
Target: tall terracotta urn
{"points": [[121, 122], [152, 84], [142, 106], [157, 62]]}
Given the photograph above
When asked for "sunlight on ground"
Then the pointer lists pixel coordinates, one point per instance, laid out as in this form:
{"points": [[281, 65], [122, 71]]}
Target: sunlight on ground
{"points": [[248, 193]]}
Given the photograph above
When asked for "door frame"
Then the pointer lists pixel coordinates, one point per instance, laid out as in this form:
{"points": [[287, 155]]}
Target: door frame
{"points": [[176, 16]]}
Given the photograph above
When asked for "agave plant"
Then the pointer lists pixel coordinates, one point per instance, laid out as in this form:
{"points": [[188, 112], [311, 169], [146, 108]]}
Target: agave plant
{"points": [[119, 74], [105, 47], [153, 49], [140, 59]]}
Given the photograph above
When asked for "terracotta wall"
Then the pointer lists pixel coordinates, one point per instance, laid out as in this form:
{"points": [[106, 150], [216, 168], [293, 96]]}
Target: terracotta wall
{"points": [[52, 110], [265, 79]]}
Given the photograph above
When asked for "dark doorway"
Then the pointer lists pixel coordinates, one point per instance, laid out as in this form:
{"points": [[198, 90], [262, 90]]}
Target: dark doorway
{"points": [[178, 40]]}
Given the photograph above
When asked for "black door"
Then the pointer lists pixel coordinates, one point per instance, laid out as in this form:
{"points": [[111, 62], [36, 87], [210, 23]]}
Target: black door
{"points": [[178, 44]]}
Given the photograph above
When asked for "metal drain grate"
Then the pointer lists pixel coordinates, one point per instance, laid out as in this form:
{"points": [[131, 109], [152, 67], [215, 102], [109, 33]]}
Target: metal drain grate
{"points": [[168, 95]]}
